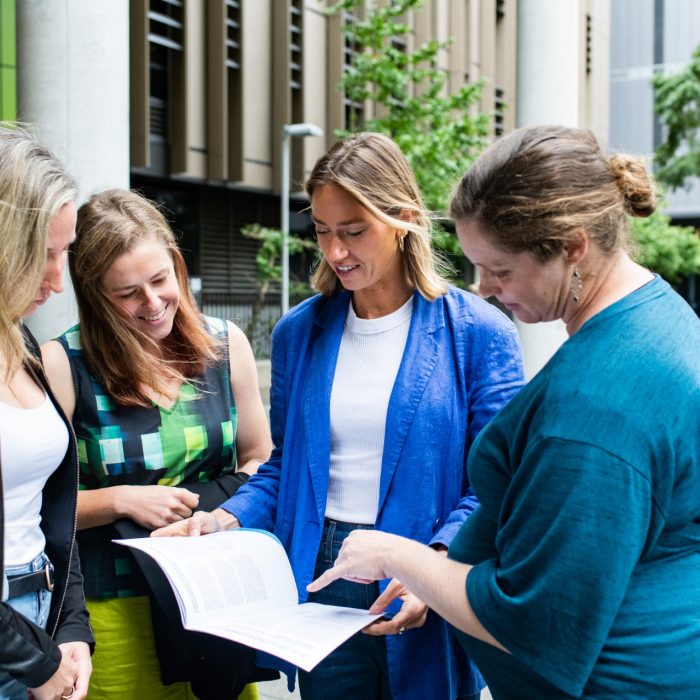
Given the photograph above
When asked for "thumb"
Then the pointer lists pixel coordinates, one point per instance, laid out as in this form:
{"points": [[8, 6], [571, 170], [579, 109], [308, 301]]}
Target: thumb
{"points": [[390, 594], [194, 526]]}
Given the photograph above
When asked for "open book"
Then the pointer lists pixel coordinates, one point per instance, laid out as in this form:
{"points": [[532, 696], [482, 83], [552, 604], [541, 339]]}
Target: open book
{"points": [[239, 585]]}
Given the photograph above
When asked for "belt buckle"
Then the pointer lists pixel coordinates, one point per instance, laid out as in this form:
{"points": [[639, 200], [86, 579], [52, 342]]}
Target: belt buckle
{"points": [[48, 573]]}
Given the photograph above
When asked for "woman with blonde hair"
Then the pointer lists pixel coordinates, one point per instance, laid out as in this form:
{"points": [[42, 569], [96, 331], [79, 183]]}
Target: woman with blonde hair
{"points": [[168, 416], [379, 386], [578, 575], [45, 635]]}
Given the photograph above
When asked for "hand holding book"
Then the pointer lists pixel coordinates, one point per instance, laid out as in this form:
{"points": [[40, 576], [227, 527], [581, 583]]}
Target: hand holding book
{"points": [[238, 584]]}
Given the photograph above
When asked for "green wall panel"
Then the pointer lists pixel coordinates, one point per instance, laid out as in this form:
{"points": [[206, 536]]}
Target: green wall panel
{"points": [[8, 60]]}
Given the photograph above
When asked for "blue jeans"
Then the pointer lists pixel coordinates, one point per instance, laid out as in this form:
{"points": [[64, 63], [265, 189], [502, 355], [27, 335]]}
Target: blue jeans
{"points": [[35, 607], [358, 667]]}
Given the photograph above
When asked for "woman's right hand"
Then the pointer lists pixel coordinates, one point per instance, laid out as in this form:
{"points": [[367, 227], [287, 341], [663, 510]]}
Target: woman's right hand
{"points": [[201, 523], [155, 507], [61, 684]]}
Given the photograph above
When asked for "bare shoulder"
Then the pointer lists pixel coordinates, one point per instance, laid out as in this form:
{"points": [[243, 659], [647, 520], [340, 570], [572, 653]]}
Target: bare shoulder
{"points": [[57, 368], [237, 341], [54, 358]]}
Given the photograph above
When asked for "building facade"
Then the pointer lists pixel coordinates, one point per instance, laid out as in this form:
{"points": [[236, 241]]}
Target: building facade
{"points": [[650, 36], [212, 84], [186, 99]]}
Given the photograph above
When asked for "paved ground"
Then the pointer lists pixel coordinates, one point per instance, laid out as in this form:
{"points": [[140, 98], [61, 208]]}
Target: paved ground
{"points": [[272, 690], [277, 690]]}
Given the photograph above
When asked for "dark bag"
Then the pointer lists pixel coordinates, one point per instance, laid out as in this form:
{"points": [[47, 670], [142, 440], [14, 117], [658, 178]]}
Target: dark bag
{"points": [[216, 668]]}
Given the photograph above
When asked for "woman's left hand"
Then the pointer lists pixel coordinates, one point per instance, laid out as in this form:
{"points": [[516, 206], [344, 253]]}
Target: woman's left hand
{"points": [[79, 652], [412, 614]]}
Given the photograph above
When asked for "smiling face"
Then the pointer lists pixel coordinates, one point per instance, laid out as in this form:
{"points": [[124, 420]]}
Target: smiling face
{"points": [[61, 235], [532, 290], [142, 286], [362, 250]]}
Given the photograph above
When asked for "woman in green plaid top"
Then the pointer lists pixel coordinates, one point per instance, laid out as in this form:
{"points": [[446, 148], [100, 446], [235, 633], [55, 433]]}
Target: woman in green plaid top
{"points": [[160, 398]]}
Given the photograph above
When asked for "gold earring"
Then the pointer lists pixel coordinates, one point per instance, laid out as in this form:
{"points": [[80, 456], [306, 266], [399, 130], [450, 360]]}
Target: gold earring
{"points": [[401, 243], [576, 285]]}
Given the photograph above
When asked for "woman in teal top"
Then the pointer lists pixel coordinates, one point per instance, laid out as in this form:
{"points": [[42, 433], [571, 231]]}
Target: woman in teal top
{"points": [[166, 408], [578, 575]]}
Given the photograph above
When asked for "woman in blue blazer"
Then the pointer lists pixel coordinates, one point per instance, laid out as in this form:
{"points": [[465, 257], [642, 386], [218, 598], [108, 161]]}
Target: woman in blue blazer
{"points": [[379, 386]]}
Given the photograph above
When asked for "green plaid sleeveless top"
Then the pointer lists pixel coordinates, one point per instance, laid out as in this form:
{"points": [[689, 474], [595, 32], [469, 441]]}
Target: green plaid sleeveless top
{"points": [[194, 441]]}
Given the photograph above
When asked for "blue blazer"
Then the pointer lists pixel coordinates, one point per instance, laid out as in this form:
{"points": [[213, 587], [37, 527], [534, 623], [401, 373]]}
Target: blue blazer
{"points": [[461, 364]]}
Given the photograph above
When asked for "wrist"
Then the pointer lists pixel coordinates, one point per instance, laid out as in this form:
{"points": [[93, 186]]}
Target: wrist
{"points": [[120, 501], [226, 520]]}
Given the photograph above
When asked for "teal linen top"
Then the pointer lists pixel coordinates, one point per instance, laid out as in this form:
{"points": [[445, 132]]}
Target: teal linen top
{"points": [[587, 543]]}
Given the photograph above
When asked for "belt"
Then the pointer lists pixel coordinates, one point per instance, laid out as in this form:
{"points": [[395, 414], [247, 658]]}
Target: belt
{"points": [[30, 583]]}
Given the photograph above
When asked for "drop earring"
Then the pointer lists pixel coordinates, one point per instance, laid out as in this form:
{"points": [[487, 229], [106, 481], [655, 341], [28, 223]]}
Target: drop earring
{"points": [[576, 285], [401, 243]]}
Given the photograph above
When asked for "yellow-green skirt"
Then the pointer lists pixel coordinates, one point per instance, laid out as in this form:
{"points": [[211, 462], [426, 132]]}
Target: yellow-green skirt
{"points": [[125, 665]]}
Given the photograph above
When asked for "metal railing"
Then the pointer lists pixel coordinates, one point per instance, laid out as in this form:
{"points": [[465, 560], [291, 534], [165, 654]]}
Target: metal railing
{"points": [[240, 309]]}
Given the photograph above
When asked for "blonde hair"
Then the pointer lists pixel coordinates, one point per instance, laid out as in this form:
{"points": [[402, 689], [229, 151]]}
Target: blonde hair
{"points": [[34, 187], [533, 188], [372, 169], [121, 356]]}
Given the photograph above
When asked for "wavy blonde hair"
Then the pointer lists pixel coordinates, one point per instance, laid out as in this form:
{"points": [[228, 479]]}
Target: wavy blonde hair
{"points": [[372, 169], [121, 356], [34, 187]]}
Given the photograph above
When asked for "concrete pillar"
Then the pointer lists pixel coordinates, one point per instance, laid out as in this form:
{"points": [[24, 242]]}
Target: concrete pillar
{"points": [[73, 84], [549, 55]]}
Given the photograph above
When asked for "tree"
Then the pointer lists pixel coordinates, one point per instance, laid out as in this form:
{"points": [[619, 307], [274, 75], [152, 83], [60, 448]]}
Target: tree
{"points": [[439, 133], [672, 251], [678, 106], [268, 267]]}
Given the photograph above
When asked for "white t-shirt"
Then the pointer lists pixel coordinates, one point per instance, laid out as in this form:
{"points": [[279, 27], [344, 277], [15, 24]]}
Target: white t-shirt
{"points": [[368, 362]]}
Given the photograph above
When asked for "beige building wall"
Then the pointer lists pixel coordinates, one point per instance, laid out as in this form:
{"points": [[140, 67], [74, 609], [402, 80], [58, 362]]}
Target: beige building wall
{"points": [[257, 93], [73, 85], [595, 101], [239, 71]]}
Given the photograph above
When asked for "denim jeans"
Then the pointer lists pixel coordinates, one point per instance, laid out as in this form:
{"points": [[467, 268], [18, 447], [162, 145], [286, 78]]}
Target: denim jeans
{"points": [[358, 667], [35, 607]]}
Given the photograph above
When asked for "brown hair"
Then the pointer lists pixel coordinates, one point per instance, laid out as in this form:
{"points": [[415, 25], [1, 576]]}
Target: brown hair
{"points": [[121, 356], [532, 188], [34, 187], [372, 169]]}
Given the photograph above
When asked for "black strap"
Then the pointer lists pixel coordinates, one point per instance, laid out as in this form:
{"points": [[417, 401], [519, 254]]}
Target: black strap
{"points": [[30, 583]]}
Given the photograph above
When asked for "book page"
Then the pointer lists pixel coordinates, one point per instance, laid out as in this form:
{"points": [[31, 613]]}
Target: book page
{"points": [[239, 585], [235, 569], [302, 634]]}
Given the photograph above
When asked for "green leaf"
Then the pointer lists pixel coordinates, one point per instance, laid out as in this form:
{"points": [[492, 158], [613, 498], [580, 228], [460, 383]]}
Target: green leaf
{"points": [[677, 103], [671, 251]]}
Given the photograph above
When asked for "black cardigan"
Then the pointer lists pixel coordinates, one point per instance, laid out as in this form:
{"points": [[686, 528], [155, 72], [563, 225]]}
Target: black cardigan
{"points": [[216, 668], [27, 652]]}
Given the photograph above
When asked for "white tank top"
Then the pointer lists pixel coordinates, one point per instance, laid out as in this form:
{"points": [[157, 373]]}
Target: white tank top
{"points": [[33, 443]]}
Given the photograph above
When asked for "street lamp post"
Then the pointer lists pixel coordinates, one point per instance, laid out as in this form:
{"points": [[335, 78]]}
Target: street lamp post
{"points": [[289, 130]]}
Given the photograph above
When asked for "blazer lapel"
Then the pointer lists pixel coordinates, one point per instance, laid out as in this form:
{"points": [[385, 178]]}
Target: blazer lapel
{"points": [[328, 331], [417, 364]]}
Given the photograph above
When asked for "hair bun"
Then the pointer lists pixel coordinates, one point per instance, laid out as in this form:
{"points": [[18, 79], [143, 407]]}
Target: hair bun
{"points": [[634, 184]]}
